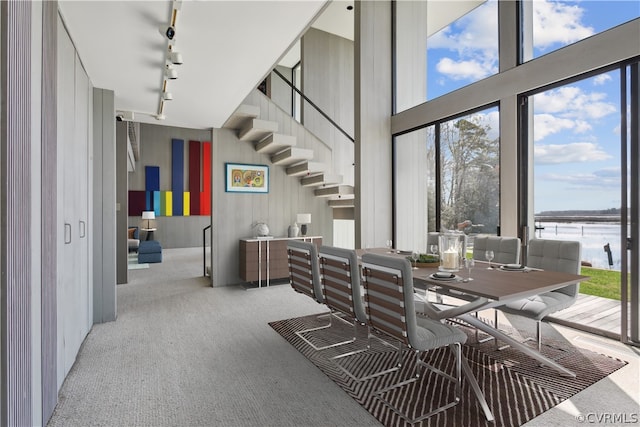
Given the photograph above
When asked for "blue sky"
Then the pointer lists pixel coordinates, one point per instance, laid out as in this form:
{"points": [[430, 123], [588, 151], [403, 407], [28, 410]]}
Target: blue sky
{"points": [[577, 126]]}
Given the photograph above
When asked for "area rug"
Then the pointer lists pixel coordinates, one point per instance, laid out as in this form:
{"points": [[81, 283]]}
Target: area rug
{"points": [[516, 388]]}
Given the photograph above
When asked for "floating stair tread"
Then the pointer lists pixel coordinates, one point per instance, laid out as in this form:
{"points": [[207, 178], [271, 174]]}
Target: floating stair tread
{"points": [[338, 190], [242, 114], [274, 143], [291, 156], [306, 169], [342, 203], [257, 130], [321, 179]]}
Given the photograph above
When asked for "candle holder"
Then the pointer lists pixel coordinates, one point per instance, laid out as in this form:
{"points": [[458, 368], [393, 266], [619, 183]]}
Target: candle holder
{"points": [[453, 246]]}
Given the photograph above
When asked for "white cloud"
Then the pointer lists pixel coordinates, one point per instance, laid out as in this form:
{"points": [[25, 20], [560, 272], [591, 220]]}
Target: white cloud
{"points": [[548, 124], [557, 23], [474, 37], [461, 70], [583, 181], [476, 31], [569, 107], [601, 79], [575, 152]]}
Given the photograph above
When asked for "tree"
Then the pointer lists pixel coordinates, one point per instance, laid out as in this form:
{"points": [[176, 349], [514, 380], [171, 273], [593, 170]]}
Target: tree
{"points": [[470, 178]]}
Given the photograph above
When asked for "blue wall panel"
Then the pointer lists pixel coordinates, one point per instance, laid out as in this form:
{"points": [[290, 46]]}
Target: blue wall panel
{"points": [[177, 175], [152, 178]]}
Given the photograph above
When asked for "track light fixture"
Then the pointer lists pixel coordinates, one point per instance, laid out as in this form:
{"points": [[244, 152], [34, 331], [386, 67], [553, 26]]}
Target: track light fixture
{"points": [[171, 73], [167, 96], [175, 58]]}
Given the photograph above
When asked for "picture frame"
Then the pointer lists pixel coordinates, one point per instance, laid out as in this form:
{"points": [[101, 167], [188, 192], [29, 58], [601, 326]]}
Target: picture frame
{"points": [[246, 178]]}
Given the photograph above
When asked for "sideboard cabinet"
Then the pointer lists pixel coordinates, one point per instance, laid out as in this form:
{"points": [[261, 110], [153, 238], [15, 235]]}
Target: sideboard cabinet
{"points": [[263, 259]]}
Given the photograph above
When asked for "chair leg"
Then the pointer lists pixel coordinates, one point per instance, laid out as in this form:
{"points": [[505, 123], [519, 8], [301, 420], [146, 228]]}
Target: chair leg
{"points": [[327, 326], [370, 335], [457, 379], [489, 338]]}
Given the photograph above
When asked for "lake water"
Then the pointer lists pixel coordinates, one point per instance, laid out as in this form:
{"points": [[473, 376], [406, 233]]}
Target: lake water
{"points": [[593, 236]]}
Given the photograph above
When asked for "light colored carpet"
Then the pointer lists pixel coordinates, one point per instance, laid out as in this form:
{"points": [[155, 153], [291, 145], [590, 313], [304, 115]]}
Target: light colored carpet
{"points": [[184, 354]]}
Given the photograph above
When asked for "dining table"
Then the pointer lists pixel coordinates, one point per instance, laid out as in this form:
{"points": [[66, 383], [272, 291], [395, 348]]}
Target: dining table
{"points": [[492, 285]]}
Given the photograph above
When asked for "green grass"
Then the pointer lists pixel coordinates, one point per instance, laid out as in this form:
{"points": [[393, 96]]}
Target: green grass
{"points": [[601, 283]]}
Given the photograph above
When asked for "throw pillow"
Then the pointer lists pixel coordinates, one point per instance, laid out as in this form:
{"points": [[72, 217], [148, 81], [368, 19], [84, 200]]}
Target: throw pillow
{"points": [[132, 233]]}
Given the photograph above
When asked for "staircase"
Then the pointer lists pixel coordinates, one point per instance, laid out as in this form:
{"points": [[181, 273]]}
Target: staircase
{"points": [[282, 151]]}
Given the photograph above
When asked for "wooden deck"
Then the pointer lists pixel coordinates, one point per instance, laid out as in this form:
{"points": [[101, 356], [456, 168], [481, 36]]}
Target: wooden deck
{"points": [[598, 315]]}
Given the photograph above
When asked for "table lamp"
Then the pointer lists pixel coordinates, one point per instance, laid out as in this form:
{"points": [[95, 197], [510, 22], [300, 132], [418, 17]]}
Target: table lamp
{"points": [[148, 215], [303, 219]]}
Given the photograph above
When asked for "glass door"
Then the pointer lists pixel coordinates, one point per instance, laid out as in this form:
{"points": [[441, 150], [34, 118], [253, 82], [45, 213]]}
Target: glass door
{"points": [[582, 169]]}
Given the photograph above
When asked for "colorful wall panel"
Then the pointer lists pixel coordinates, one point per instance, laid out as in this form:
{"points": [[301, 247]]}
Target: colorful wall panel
{"points": [[177, 174], [178, 201], [137, 202], [205, 195], [194, 176], [166, 203], [155, 202], [152, 178], [186, 203]]}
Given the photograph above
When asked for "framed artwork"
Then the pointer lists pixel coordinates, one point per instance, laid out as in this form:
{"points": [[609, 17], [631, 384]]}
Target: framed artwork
{"points": [[243, 178]]}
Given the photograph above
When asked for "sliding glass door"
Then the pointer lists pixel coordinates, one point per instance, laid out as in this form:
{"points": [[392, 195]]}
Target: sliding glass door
{"points": [[584, 182]]}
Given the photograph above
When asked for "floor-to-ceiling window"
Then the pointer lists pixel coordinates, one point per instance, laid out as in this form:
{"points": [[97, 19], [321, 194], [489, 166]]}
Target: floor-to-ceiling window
{"points": [[581, 188], [447, 178], [542, 43]]}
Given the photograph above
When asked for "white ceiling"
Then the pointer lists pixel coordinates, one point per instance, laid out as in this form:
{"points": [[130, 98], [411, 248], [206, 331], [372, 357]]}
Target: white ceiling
{"points": [[228, 47]]}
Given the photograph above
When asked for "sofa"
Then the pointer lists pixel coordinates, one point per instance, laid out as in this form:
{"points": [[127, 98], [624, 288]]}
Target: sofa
{"points": [[133, 239], [149, 251]]}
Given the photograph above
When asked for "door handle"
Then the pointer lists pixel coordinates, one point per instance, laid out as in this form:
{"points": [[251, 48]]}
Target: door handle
{"points": [[83, 229], [67, 226]]}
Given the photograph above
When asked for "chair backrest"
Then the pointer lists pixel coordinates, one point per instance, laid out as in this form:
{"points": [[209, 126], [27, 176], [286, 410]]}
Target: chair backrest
{"points": [[506, 250], [304, 270], [433, 238], [388, 284], [556, 255], [340, 277]]}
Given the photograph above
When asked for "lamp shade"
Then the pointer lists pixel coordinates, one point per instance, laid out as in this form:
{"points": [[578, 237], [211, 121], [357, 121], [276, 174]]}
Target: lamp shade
{"points": [[303, 218], [148, 215]]}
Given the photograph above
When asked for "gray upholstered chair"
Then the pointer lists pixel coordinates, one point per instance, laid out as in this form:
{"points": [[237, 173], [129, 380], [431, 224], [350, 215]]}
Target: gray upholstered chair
{"points": [[506, 250], [554, 255], [389, 296]]}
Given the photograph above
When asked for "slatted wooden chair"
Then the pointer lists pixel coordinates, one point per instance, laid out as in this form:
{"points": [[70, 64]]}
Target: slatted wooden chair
{"points": [[388, 283], [342, 291], [304, 275]]}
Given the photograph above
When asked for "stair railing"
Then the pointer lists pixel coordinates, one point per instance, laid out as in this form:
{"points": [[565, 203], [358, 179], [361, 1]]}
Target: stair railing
{"points": [[292, 86], [204, 249]]}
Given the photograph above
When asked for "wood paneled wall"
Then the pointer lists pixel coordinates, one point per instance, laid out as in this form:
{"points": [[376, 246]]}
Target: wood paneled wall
{"points": [[16, 347]]}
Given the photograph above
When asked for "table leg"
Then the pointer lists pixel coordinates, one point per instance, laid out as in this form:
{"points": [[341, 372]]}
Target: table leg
{"points": [[479, 324], [476, 388]]}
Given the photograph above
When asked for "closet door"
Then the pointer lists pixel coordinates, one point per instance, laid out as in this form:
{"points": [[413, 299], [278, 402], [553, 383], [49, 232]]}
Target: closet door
{"points": [[82, 119], [74, 296]]}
